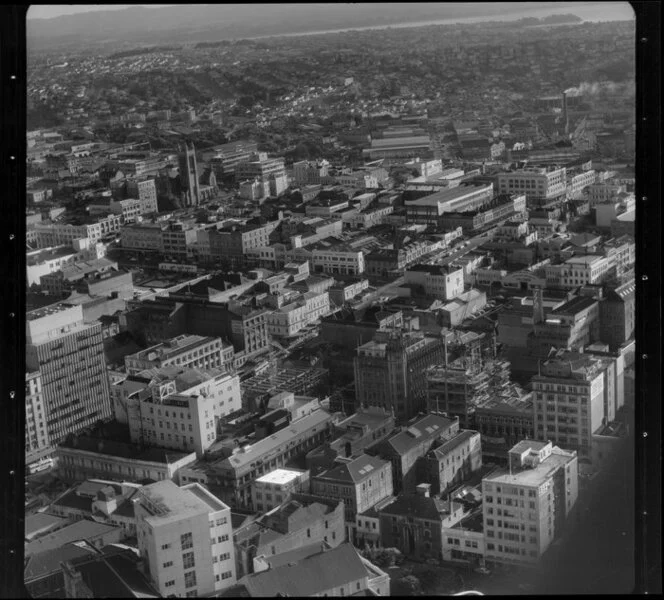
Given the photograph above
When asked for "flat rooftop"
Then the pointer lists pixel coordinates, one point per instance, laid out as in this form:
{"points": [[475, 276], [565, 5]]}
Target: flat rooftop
{"points": [[165, 502], [535, 476], [279, 476], [47, 311]]}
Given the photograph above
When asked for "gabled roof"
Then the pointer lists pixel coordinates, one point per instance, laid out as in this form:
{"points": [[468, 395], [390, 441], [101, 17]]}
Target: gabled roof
{"points": [[417, 506], [426, 428], [312, 575], [355, 471], [81, 530], [45, 563]]}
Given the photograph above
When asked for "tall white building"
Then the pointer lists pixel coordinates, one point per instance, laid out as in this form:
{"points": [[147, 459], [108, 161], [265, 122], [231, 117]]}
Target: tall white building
{"points": [[526, 507], [538, 184], [185, 538]]}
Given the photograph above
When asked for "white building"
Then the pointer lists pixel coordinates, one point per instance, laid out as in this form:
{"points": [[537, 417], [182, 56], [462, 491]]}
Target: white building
{"points": [[536, 183], [439, 282], [176, 407], [37, 443], [185, 537], [289, 319], [275, 488], [577, 271], [526, 507], [333, 259]]}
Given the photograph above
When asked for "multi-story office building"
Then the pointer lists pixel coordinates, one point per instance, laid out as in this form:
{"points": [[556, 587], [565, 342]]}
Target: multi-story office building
{"points": [[145, 189], [500, 208], [53, 234], [437, 281], [191, 351], [389, 371], [336, 258], [223, 159], [185, 537], [380, 263], [540, 185], [175, 407], [144, 237], [361, 482], [258, 165], [570, 400], [69, 355], [232, 244], [37, 443], [189, 177], [527, 507]]}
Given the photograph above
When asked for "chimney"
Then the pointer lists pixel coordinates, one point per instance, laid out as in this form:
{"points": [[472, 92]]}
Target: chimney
{"points": [[423, 489]]}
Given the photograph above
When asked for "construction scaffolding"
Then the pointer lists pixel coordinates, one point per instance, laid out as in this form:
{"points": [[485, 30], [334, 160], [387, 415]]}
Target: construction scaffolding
{"points": [[257, 390]]}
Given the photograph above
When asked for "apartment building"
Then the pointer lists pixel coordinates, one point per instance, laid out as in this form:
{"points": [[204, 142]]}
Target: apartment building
{"points": [[389, 371], [540, 185], [185, 537], [68, 353], [577, 271], [361, 482], [527, 507], [37, 442], [176, 407], [444, 283], [189, 351], [231, 477]]}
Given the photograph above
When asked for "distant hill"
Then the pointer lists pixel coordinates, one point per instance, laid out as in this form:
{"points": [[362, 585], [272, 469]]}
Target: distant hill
{"points": [[195, 23]]}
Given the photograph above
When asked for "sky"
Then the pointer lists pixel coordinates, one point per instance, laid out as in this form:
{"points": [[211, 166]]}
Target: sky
{"points": [[46, 11]]}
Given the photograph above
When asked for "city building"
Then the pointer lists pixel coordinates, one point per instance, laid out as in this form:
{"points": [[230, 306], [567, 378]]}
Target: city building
{"points": [[389, 371], [68, 354], [452, 461], [617, 314], [37, 443], [322, 571], [190, 351], [430, 208], [437, 281], [413, 523], [361, 482], [276, 487], [190, 401], [577, 271], [527, 506], [540, 185], [303, 520], [406, 447], [289, 319], [230, 477], [185, 538]]}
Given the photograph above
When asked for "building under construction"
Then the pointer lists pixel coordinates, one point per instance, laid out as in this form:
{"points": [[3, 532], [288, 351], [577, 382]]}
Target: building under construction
{"points": [[464, 384], [257, 390]]}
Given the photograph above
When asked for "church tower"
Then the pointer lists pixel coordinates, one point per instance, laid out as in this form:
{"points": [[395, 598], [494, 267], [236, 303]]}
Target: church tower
{"points": [[189, 184]]}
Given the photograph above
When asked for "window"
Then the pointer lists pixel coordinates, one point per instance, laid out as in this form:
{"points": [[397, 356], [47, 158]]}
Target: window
{"points": [[190, 579], [170, 583], [168, 564], [227, 575], [165, 546], [188, 560], [187, 541], [222, 521]]}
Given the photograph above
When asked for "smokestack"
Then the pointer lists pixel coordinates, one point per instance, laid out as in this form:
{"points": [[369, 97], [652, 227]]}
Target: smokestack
{"points": [[565, 118]]}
